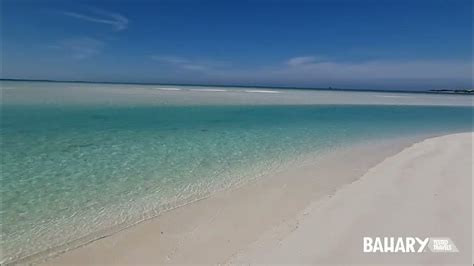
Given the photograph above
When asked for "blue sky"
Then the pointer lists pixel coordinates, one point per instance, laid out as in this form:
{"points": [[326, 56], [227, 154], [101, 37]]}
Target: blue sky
{"points": [[360, 44]]}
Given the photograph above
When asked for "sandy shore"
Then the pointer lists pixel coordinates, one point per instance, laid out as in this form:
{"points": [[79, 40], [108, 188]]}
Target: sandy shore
{"points": [[423, 191], [317, 213]]}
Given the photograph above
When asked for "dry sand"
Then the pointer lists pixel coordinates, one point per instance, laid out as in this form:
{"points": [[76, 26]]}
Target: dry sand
{"points": [[423, 191], [317, 213]]}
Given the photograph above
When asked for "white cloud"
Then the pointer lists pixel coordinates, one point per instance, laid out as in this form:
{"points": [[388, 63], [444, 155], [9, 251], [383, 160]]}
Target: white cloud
{"points": [[80, 48], [301, 60], [197, 67], [305, 60], [116, 20], [203, 65], [170, 59], [304, 71], [315, 72], [413, 69]]}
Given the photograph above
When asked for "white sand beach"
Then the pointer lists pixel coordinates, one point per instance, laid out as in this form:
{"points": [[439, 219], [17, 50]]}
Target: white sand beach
{"points": [[315, 214], [423, 191]]}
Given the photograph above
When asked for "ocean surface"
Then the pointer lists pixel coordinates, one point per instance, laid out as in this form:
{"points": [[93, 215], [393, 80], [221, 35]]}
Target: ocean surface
{"points": [[82, 160]]}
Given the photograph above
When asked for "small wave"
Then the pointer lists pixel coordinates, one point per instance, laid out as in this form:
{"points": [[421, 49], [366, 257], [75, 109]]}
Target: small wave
{"points": [[168, 89], [392, 96], [262, 91], [207, 90]]}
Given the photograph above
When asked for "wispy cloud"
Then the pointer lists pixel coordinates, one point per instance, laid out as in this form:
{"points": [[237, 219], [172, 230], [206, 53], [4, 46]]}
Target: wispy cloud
{"points": [[301, 60], [321, 71], [189, 64], [310, 66], [80, 48], [116, 20], [170, 59]]}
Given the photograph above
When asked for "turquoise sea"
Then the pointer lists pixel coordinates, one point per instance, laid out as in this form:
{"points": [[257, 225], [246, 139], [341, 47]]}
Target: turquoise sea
{"points": [[81, 160]]}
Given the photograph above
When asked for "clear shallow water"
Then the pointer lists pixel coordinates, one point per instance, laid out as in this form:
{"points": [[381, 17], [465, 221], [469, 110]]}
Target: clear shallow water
{"points": [[71, 170]]}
